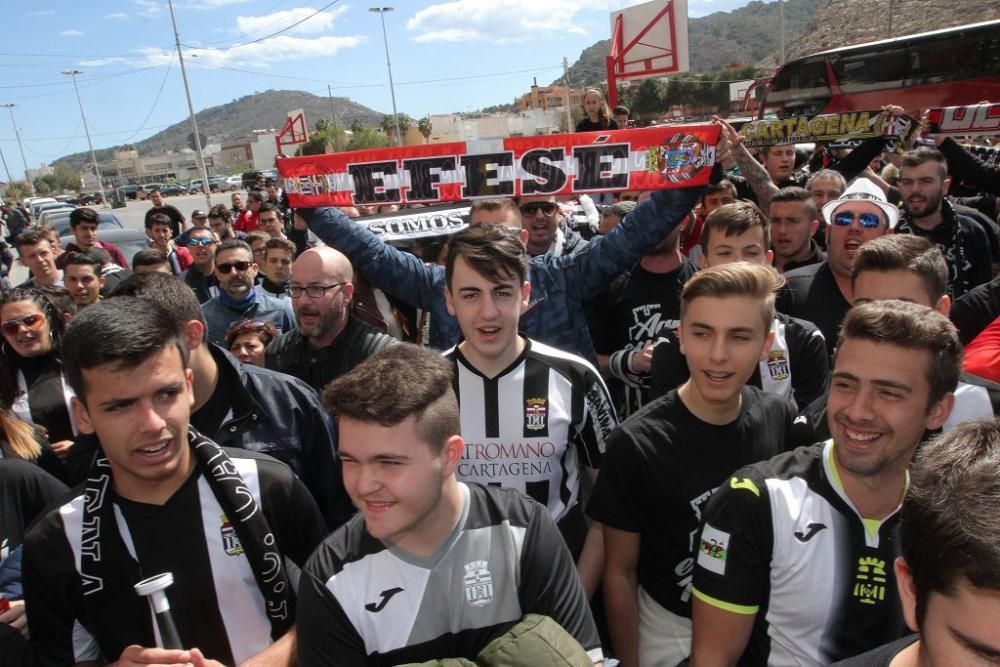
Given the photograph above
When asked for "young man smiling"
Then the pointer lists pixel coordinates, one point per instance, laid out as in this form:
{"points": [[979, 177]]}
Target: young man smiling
{"points": [[82, 278], [794, 559], [533, 418], [664, 463], [431, 567], [160, 497]]}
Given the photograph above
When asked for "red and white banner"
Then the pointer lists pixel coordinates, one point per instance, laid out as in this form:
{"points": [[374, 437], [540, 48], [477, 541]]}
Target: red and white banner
{"points": [[654, 158], [968, 121]]}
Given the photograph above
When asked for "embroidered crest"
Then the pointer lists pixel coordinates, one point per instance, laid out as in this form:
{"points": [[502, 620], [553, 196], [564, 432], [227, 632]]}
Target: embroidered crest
{"points": [[478, 583], [230, 541], [534, 414]]}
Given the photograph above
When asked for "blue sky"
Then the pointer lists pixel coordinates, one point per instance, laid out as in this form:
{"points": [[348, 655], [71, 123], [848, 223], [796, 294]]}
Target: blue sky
{"points": [[456, 55]]}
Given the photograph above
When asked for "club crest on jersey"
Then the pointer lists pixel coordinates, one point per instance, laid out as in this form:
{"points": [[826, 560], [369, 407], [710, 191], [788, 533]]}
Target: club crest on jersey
{"points": [[870, 580], [777, 365], [534, 414], [713, 549], [230, 540], [478, 583]]}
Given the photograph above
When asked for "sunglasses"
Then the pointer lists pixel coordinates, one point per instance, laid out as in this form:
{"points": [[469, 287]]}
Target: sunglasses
{"points": [[531, 208], [867, 220], [229, 266], [201, 241], [31, 323]]}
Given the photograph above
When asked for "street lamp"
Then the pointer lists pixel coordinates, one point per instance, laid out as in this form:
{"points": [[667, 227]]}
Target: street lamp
{"points": [[31, 186], [392, 91], [93, 158], [205, 185]]}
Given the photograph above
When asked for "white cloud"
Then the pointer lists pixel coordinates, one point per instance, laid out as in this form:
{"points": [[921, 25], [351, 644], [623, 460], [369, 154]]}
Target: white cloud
{"points": [[503, 21], [42, 12], [258, 26], [116, 15], [148, 7], [278, 49], [72, 33]]}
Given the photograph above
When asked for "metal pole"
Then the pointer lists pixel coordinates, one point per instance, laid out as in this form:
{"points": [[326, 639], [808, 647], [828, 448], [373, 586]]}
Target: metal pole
{"points": [[569, 112], [194, 123], [890, 19], [333, 117], [781, 22], [10, 181], [93, 157], [392, 91], [20, 147]]}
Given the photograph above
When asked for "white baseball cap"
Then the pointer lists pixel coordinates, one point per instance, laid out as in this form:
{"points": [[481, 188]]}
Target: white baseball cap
{"points": [[864, 190]]}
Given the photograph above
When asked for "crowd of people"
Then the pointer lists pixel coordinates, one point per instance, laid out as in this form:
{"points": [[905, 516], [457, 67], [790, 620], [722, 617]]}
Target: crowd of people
{"points": [[751, 423]]}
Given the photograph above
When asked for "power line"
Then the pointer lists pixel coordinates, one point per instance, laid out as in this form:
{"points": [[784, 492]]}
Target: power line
{"points": [[261, 39], [156, 101]]}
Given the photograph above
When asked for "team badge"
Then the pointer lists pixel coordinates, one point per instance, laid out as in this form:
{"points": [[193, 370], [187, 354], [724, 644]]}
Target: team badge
{"points": [[870, 580], [478, 583], [713, 549], [777, 365], [230, 540], [534, 414]]}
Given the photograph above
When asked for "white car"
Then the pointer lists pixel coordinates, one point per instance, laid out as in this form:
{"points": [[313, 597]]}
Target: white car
{"points": [[234, 182]]}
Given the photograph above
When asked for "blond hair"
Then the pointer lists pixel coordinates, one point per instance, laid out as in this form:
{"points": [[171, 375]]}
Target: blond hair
{"points": [[756, 281]]}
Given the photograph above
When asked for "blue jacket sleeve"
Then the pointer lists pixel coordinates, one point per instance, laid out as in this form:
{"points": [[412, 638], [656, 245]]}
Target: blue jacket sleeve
{"points": [[399, 273], [604, 259]]}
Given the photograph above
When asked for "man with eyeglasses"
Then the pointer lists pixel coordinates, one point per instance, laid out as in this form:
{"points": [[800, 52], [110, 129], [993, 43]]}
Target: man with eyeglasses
{"points": [[822, 293], [329, 341], [269, 220], [547, 232], [200, 277], [238, 298]]}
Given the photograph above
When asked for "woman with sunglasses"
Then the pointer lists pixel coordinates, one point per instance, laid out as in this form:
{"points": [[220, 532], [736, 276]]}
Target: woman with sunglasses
{"points": [[33, 384]]}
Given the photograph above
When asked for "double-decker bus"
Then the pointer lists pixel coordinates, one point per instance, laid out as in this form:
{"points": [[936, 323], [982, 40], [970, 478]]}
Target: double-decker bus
{"points": [[950, 67]]}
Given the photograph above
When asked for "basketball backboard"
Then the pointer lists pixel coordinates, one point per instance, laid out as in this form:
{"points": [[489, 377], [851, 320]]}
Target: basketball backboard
{"points": [[293, 132], [647, 40]]}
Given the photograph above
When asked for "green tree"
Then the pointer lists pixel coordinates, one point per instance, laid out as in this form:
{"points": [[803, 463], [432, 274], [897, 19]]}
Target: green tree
{"points": [[649, 99], [321, 125], [67, 178], [389, 124], [17, 191], [425, 128], [368, 137]]}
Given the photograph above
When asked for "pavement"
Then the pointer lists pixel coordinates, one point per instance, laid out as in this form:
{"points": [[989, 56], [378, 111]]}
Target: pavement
{"points": [[133, 216]]}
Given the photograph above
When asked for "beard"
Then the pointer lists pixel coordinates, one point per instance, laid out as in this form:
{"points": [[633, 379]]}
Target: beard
{"points": [[325, 322], [920, 207]]}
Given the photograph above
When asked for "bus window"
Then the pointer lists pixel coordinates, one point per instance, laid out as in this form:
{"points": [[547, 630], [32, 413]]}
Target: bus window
{"points": [[860, 72], [989, 58], [798, 89], [938, 60]]}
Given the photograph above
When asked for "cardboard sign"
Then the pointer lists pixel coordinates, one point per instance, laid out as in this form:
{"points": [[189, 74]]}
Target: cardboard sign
{"points": [[969, 121], [655, 158], [849, 125]]}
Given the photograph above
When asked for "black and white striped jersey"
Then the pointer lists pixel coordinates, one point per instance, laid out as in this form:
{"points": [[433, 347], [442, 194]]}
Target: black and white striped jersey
{"points": [[215, 600], [532, 426], [362, 602], [781, 540]]}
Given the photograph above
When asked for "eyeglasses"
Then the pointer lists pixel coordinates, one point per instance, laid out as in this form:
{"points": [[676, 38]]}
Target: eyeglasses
{"points": [[314, 291], [229, 266], [193, 241], [867, 220], [31, 323], [546, 207]]}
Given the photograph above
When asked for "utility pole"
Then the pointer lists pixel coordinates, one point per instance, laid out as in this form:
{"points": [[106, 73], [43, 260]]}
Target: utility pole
{"points": [[20, 147], [93, 158], [333, 116], [10, 181], [569, 113], [781, 22], [392, 91], [890, 20], [194, 123]]}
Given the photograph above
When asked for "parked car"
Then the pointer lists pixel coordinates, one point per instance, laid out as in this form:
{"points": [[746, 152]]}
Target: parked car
{"points": [[149, 187], [171, 189], [45, 217], [38, 203], [106, 222], [234, 182], [131, 192], [42, 208]]}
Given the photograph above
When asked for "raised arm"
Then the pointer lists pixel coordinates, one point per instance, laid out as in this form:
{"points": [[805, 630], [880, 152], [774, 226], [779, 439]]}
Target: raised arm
{"points": [[399, 273], [731, 147]]}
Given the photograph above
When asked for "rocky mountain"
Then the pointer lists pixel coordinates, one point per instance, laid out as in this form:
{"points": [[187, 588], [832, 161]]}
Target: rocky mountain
{"points": [[746, 36], [223, 123], [844, 22]]}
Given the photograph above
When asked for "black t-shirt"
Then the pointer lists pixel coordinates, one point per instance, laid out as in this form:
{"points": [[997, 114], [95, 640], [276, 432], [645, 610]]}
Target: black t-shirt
{"points": [[811, 294], [215, 600], [879, 657], [47, 393], [976, 310], [640, 308], [25, 491], [176, 217], [210, 417], [587, 125], [796, 367], [661, 467]]}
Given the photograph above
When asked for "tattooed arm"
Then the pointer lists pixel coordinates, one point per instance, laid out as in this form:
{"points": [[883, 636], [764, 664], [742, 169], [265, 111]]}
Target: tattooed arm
{"points": [[731, 145]]}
